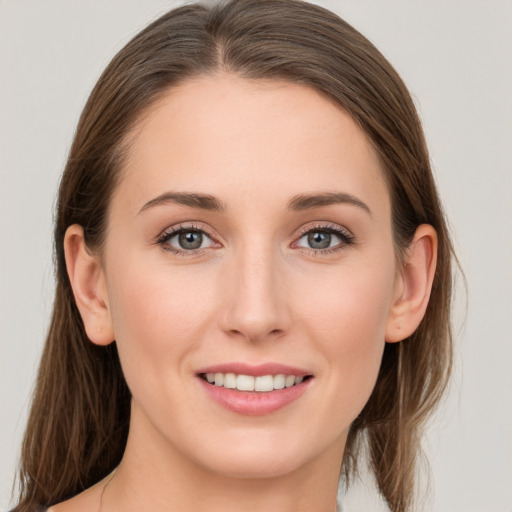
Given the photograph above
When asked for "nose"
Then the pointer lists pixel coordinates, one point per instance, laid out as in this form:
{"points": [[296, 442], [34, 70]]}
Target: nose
{"points": [[256, 305]]}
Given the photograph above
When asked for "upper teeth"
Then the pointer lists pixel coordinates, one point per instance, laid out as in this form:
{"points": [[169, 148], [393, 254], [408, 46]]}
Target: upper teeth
{"points": [[250, 383]]}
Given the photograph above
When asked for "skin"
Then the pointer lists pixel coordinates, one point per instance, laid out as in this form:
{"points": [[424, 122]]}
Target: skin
{"points": [[255, 292]]}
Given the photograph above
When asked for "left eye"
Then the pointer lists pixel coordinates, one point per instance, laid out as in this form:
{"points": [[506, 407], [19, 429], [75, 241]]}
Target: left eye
{"points": [[187, 240], [320, 239]]}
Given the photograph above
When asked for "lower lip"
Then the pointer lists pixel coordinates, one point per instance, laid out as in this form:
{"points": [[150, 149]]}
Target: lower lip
{"points": [[254, 403]]}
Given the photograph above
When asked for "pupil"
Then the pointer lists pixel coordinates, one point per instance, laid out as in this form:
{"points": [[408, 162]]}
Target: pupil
{"points": [[319, 240], [190, 239]]}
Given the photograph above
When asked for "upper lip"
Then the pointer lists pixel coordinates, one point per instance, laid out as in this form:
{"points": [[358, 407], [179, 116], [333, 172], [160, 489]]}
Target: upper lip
{"points": [[257, 370]]}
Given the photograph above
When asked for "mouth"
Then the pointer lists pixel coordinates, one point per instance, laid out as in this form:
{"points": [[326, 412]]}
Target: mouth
{"points": [[254, 390], [259, 384]]}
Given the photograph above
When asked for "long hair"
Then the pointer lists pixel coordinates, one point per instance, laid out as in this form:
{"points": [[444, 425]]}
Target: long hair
{"points": [[79, 419]]}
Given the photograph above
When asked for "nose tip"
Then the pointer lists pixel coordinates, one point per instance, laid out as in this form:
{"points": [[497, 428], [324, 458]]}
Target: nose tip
{"points": [[255, 330], [256, 305]]}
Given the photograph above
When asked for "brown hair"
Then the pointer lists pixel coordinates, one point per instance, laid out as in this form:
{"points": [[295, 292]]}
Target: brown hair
{"points": [[79, 419]]}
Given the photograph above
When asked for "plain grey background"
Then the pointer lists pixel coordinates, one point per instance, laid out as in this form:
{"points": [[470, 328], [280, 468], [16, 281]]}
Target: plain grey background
{"points": [[456, 58]]}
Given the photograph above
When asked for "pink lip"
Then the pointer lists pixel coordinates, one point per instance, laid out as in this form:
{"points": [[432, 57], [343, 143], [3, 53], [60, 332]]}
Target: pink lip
{"points": [[254, 403], [254, 370]]}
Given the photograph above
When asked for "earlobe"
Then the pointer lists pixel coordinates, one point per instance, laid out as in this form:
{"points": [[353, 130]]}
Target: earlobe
{"points": [[415, 283], [89, 287]]}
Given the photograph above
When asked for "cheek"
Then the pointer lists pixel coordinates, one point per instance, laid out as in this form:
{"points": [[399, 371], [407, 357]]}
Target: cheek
{"points": [[347, 320], [158, 315], [350, 309]]}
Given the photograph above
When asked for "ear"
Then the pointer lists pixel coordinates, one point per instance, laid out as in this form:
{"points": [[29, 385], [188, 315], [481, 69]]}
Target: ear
{"points": [[413, 285], [89, 286]]}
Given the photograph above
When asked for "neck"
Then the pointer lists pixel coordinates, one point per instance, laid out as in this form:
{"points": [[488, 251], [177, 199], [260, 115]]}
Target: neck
{"points": [[154, 475]]}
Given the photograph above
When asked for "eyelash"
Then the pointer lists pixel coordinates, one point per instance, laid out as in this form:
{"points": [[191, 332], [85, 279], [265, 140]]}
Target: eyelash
{"points": [[343, 234], [346, 237], [168, 235]]}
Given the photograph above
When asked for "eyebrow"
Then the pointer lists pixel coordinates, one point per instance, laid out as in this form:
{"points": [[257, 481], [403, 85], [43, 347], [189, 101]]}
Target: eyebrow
{"points": [[307, 201], [297, 203], [192, 199]]}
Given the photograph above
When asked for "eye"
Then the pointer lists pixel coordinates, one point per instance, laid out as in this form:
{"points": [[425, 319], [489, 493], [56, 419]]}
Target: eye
{"points": [[185, 240], [325, 239]]}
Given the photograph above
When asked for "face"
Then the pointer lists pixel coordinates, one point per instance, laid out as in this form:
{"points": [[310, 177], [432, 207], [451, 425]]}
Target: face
{"points": [[249, 245]]}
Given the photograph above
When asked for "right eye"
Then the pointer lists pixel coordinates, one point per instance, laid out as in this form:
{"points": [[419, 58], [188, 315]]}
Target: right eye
{"points": [[186, 240]]}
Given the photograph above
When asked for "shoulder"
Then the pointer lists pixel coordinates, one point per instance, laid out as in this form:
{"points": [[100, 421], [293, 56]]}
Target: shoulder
{"points": [[84, 502]]}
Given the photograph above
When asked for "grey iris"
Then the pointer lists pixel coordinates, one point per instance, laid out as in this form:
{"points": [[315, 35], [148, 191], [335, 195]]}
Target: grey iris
{"points": [[319, 239], [190, 239]]}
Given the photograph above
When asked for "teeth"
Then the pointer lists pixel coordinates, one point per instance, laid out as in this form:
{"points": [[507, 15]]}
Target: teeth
{"points": [[289, 381], [245, 383], [279, 381], [264, 383], [230, 381]]}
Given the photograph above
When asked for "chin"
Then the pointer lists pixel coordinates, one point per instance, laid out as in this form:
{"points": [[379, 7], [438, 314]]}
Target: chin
{"points": [[257, 466], [271, 456]]}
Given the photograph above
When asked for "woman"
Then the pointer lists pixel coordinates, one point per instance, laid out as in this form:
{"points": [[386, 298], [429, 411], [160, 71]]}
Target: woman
{"points": [[253, 274]]}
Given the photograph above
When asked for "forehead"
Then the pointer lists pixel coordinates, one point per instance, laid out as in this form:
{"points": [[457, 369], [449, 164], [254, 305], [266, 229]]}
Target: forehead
{"points": [[225, 135]]}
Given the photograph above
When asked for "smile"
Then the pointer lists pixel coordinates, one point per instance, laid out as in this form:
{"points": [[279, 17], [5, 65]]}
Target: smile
{"points": [[263, 383], [254, 390]]}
